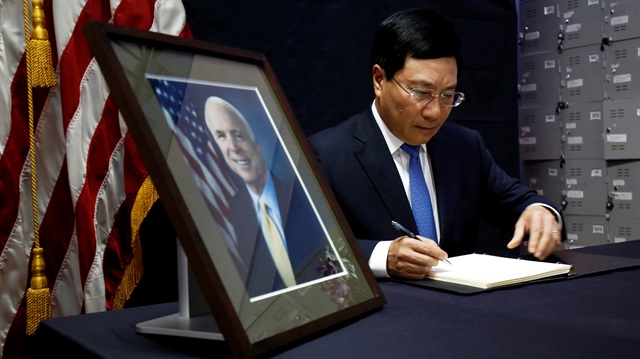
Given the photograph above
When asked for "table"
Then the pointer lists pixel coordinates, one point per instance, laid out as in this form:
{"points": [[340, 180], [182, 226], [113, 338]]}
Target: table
{"points": [[587, 317]]}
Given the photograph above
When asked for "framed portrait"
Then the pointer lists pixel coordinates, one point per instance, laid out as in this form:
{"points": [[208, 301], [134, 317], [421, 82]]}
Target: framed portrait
{"points": [[271, 251]]}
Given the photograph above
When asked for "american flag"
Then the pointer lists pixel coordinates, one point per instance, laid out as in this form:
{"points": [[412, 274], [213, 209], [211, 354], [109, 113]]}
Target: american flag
{"points": [[201, 152], [88, 169]]}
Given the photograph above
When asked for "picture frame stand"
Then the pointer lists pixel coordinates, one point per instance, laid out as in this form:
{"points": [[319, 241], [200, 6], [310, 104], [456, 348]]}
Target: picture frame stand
{"points": [[193, 320]]}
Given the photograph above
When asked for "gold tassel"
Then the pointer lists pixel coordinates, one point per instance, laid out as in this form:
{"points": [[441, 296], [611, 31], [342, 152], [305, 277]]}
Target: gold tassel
{"points": [[39, 54], [146, 197], [38, 297]]}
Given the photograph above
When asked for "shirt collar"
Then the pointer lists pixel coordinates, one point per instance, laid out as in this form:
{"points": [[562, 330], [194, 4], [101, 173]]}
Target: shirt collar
{"points": [[393, 142], [268, 194]]}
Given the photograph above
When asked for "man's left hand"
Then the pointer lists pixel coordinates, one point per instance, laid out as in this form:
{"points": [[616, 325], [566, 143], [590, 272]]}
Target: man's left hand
{"points": [[542, 227]]}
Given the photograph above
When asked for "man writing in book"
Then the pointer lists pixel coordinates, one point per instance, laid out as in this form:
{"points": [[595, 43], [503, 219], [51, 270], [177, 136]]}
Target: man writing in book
{"points": [[400, 160]]}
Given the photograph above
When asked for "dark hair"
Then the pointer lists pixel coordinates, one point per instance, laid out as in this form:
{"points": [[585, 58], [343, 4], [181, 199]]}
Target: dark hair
{"points": [[419, 33]]}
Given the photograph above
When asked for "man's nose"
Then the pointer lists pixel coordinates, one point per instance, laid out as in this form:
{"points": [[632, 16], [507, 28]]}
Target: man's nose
{"points": [[233, 145], [433, 109]]}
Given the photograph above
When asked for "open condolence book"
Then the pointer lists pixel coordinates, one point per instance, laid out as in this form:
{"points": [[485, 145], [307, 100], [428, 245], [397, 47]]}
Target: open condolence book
{"points": [[487, 271]]}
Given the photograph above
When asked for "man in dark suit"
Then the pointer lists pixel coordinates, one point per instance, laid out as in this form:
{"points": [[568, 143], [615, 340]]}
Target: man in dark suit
{"points": [[279, 240], [415, 60]]}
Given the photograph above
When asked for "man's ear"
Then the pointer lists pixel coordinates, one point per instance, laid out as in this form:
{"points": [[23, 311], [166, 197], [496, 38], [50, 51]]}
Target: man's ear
{"points": [[378, 77]]}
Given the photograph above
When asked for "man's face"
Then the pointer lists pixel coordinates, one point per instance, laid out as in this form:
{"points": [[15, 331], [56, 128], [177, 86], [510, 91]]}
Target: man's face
{"points": [[413, 122], [241, 153]]}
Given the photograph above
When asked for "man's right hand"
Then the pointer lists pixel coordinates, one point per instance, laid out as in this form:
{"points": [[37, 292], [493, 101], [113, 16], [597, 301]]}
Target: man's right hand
{"points": [[412, 259]]}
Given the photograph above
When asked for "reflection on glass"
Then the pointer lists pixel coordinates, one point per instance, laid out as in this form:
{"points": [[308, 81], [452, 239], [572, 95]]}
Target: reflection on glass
{"points": [[265, 216]]}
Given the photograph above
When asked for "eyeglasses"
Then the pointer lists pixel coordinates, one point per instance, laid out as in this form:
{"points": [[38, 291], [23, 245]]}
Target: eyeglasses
{"points": [[447, 98]]}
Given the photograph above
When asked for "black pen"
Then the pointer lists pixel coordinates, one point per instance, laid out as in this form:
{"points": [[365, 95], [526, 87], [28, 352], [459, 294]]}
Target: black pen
{"points": [[407, 232]]}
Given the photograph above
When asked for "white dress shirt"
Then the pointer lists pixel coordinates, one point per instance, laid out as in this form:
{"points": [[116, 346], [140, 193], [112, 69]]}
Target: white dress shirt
{"points": [[378, 259]]}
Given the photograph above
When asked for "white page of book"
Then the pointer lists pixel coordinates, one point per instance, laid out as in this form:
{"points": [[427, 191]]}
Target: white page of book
{"points": [[487, 271]]}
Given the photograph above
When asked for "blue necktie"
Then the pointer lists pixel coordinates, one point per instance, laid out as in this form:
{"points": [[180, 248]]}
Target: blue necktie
{"points": [[420, 199]]}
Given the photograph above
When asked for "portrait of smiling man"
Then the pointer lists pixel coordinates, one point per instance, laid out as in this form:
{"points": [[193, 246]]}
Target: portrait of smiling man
{"points": [[279, 238]]}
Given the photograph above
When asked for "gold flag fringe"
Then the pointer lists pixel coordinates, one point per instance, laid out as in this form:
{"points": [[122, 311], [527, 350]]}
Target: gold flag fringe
{"points": [[146, 197], [39, 74]]}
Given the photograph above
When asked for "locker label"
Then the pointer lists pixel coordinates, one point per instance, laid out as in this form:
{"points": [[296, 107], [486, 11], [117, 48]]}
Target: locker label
{"points": [[598, 229], [621, 78], [553, 172], [619, 20], [575, 194], [528, 141], [532, 35], [572, 236], [617, 138], [618, 182], [574, 140], [571, 181], [525, 129], [593, 2], [529, 87], [574, 28], [594, 58], [622, 196], [596, 172], [574, 83], [549, 10], [552, 118], [550, 64], [619, 239], [596, 115], [533, 180], [570, 125]]}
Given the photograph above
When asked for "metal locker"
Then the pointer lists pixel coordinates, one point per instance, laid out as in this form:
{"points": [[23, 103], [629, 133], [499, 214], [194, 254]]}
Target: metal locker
{"points": [[539, 133], [582, 136], [622, 69], [594, 92], [539, 82], [622, 129], [585, 191], [622, 229], [539, 26], [582, 23], [585, 231], [545, 177], [624, 189], [622, 19], [582, 75]]}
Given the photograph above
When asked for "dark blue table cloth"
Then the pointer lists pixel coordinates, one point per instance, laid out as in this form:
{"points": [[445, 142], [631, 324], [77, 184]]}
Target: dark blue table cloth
{"points": [[592, 316]]}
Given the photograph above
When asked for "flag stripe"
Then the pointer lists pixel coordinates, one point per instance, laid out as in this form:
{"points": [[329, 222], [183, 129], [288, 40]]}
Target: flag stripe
{"points": [[12, 47], [88, 168]]}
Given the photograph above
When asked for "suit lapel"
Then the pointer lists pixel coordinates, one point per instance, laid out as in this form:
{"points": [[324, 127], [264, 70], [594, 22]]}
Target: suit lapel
{"points": [[441, 159], [374, 157]]}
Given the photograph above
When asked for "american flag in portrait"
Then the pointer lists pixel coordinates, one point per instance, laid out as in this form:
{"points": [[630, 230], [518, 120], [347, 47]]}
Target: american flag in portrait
{"points": [[201, 152]]}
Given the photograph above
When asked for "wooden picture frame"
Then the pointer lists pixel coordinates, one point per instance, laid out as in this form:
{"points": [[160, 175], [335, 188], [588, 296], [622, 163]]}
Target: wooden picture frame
{"points": [[162, 85]]}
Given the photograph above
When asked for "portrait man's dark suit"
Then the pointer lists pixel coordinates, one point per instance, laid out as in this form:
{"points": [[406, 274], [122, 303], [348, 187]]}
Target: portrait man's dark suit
{"points": [[371, 194], [306, 241]]}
